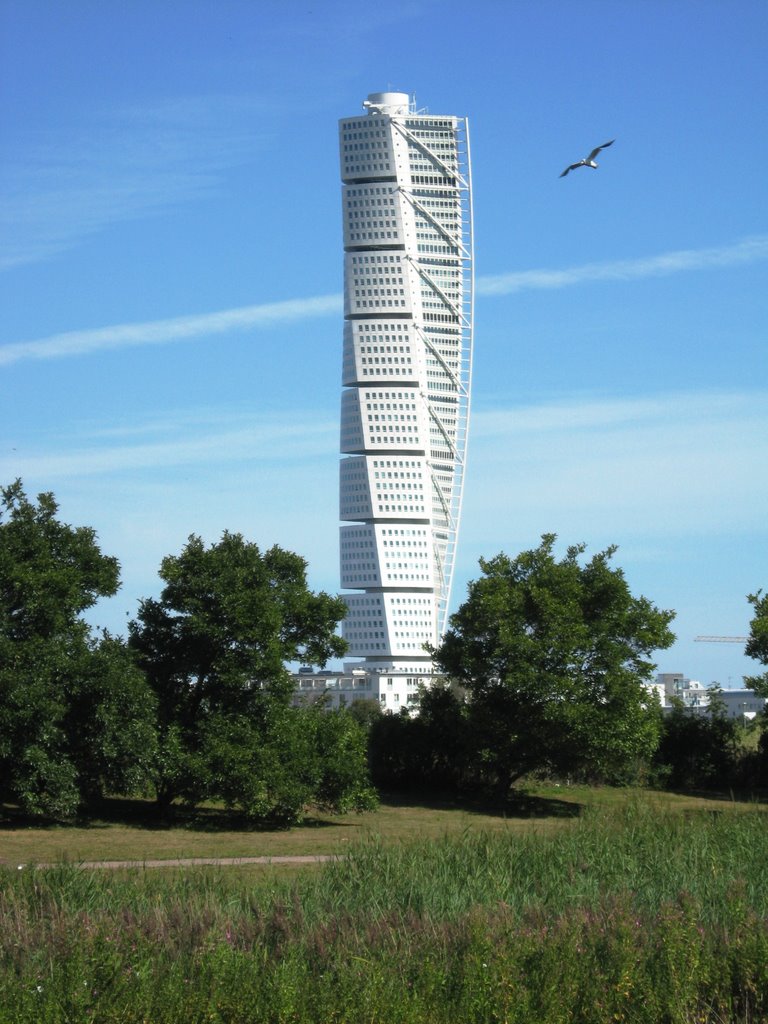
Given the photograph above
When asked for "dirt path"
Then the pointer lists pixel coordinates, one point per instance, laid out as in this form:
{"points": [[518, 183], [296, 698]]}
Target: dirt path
{"points": [[184, 862]]}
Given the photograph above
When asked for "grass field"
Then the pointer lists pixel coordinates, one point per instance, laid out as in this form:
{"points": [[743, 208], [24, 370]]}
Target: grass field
{"points": [[591, 906], [131, 833]]}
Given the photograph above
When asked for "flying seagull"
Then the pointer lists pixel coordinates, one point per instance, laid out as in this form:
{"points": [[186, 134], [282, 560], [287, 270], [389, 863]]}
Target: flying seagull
{"points": [[588, 161]]}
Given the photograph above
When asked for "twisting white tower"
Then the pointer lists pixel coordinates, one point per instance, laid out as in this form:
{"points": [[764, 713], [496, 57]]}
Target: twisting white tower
{"points": [[408, 291]]}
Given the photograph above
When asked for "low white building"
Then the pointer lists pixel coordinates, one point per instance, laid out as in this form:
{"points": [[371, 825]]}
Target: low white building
{"points": [[694, 695], [742, 703], [393, 691]]}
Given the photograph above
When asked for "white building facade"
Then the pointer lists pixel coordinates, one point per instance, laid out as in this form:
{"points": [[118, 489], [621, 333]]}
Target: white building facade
{"points": [[407, 359], [742, 704]]}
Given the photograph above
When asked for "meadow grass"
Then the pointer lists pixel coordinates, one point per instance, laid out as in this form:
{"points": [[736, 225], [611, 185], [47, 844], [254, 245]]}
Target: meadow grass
{"points": [[633, 912], [136, 834]]}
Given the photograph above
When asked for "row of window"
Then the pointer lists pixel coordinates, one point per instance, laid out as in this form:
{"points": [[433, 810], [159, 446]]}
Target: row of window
{"points": [[440, 318], [353, 170], [364, 352], [384, 371], [376, 327], [400, 486], [433, 179], [389, 348], [390, 277], [378, 291], [393, 418], [349, 135], [364, 236], [366, 223], [387, 396], [399, 440], [437, 146], [448, 226], [362, 207], [372, 404], [356, 148], [420, 169], [428, 247], [379, 258], [399, 473]]}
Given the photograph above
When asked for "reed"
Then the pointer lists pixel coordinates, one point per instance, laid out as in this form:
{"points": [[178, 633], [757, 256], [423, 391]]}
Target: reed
{"points": [[633, 914]]}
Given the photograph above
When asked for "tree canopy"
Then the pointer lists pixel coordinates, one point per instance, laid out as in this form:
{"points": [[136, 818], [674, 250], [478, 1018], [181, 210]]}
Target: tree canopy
{"points": [[75, 715], [757, 644], [214, 648], [701, 750], [198, 703], [554, 656]]}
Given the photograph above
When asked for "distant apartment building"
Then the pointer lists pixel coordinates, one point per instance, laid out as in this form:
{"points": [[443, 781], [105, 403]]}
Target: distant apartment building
{"points": [[739, 703], [689, 691]]}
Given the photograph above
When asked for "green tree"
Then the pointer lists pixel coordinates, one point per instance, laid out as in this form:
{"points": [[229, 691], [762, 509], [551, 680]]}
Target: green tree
{"points": [[336, 763], [554, 658], [757, 648], [75, 716], [110, 722], [396, 752], [429, 752], [699, 748], [366, 712], [215, 647], [757, 644]]}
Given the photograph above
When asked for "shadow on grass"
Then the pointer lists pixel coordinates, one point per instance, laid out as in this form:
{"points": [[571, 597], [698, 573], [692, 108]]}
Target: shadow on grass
{"points": [[752, 797], [147, 815], [519, 805], [144, 814]]}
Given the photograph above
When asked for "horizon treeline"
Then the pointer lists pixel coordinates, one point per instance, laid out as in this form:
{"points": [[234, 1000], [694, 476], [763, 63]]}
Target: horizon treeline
{"points": [[546, 669]]}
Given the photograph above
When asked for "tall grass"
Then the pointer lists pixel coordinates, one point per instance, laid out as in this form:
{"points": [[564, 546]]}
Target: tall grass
{"points": [[634, 914], [653, 854]]}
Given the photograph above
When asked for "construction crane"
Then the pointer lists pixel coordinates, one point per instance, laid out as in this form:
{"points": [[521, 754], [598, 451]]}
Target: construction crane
{"points": [[721, 639]]}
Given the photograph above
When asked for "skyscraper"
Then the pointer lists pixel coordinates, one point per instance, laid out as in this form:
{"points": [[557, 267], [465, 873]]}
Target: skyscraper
{"points": [[408, 292]]}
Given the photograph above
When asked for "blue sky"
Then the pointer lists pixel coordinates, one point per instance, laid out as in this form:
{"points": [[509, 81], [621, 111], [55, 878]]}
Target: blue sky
{"points": [[170, 278]]}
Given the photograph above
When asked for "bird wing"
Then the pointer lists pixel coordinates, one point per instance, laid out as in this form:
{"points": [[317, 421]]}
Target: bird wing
{"points": [[597, 149], [572, 168]]}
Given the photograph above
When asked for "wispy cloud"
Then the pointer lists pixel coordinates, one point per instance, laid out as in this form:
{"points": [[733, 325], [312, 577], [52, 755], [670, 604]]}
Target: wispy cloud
{"points": [[646, 472], [659, 465], [160, 332], [584, 414], [656, 463], [145, 485], [205, 439], [748, 250], [129, 163]]}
